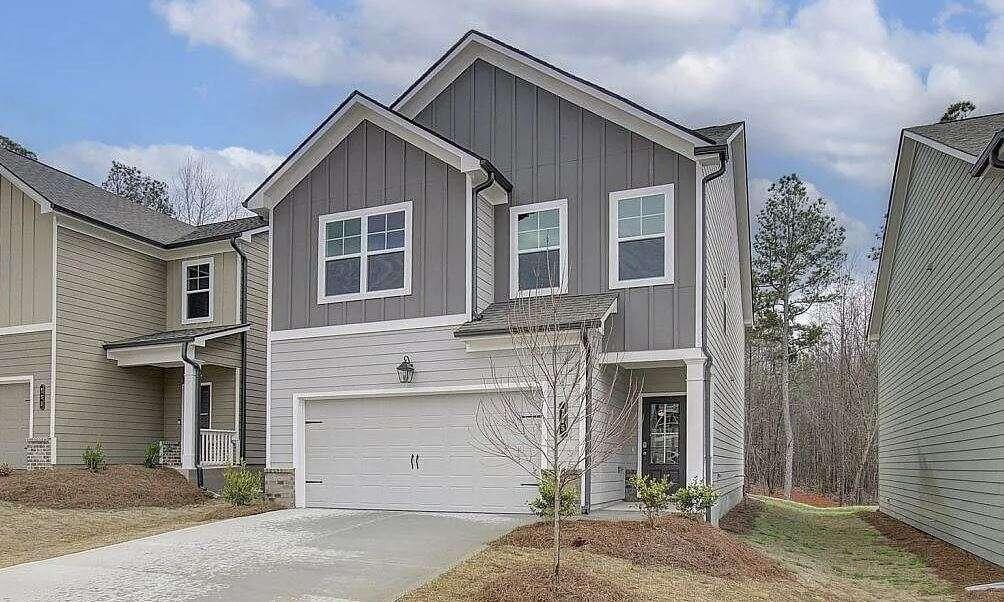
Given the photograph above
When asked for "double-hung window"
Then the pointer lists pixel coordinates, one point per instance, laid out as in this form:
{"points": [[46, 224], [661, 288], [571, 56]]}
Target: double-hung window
{"points": [[364, 254], [197, 291], [538, 241], [641, 237]]}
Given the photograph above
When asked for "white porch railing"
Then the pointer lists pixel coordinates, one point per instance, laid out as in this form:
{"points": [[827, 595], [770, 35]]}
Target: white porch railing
{"points": [[218, 447]]}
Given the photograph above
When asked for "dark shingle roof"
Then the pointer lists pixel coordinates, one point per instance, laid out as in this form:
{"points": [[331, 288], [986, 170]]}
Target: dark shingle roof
{"points": [[720, 133], [171, 336], [81, 198], [969, 135], [567, 312]]}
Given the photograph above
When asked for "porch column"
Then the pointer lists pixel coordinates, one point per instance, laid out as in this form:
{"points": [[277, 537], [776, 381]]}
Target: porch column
{"points": [[696, 383], [189, 396]]}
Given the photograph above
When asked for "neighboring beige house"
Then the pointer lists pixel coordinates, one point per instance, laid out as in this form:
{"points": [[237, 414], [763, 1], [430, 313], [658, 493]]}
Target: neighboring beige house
{"points": [[938, 315], [122, 326]]}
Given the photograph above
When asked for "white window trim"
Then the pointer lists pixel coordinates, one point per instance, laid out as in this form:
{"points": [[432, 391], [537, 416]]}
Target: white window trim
{"points": [[669, 232], [207, 384], [184, 289], [514, 212], [362, 214]]}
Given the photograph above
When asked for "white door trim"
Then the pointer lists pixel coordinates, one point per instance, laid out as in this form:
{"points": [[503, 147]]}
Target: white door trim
{"points": [[30, 380]]}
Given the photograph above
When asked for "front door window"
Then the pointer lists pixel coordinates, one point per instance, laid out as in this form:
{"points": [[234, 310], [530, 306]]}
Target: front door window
{"points": [[664, 440]]}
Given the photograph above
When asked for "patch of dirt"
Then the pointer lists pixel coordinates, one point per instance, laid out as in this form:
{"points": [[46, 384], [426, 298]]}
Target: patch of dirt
{"points": [[741, 519], [802, 496], [117, 486], [674, 542], [220, 512], [955, 565], [533, 583]]}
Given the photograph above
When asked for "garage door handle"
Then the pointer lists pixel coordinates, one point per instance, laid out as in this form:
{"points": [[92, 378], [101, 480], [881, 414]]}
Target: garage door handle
{"points": [[416, 461], [413, 461]]}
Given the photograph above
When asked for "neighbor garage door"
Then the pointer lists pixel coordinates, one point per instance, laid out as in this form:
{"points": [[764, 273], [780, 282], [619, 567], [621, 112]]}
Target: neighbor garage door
{"points": [[13, 423], [406, 453]]}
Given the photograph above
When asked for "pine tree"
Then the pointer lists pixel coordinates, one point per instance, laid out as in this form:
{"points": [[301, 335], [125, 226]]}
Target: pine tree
{"points": [[129, 182], [16, 147]]}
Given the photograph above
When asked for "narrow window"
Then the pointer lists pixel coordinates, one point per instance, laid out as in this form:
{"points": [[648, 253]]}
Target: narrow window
{"points": [[205, 405], [641, 226], [365, 254], [197, 297], [539, 249]]}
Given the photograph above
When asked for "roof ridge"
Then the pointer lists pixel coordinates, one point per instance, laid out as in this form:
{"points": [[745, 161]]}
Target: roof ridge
{"points": [[924, 125]]}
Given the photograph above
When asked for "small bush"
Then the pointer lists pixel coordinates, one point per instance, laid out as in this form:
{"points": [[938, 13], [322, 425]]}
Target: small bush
{"points": [[6, 469], [241, 485], [94, 457], [695, 499], [653, 495], [152, 456], [543, 504]]}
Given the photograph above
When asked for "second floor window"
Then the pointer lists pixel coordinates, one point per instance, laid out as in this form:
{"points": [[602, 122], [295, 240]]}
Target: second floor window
{"points": [[364, 254], [538, 262], [641, 237], [197, 297]]}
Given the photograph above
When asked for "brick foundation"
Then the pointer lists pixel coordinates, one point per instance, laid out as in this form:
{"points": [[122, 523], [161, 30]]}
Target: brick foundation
{"points": [[279, 486], [170, 453], [37, 453]]}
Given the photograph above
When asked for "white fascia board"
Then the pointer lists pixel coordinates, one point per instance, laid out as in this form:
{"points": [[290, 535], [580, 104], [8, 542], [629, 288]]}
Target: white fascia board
{"points": [[368, 327], [654, 358], [201, 341], [248, 234], [104, 234], [151, 355], [604, 104], [338, 126], [33, 194], [944, 148], [504, 342]]}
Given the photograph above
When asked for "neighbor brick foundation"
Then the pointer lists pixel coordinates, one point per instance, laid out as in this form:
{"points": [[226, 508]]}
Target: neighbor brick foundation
{"points": [[279, 486], [37, 452]]}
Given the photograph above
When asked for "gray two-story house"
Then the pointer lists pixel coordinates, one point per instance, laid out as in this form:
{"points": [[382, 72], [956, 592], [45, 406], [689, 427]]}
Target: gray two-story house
{"points": [[121, 326], [399, 231]]}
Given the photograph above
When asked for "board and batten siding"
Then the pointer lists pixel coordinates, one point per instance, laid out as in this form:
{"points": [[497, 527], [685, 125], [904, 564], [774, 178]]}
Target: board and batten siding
{"points": [[941, 359], [25, 259], [257, 316], [226, 291], [29, 354], [550, 148], [370, 168], [106, 293], [725, 342]]}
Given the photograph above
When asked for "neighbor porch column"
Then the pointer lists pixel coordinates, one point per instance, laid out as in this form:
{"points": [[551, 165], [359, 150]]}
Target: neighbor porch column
{"points": [[189, 397], [696, 384]]}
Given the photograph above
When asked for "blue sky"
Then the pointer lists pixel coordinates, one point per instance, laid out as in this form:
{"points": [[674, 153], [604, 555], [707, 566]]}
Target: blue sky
{"points": [[825, 86]]}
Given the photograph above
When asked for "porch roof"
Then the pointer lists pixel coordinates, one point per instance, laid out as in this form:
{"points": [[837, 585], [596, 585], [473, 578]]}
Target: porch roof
{"points": [[565, 312], [189, 335]]}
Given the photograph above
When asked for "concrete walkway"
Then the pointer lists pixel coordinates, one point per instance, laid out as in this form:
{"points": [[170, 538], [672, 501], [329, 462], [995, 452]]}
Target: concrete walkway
{"points": [[286, 555]]}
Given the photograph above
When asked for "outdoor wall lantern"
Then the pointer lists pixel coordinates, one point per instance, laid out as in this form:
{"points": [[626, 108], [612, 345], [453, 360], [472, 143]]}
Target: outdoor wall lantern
{"points": [[405, 371], [41, 397]]}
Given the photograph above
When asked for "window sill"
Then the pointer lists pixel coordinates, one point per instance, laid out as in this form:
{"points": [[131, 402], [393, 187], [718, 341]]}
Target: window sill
{"points": [[399, 292], [540, 292], [640, 283], [186, 321]]}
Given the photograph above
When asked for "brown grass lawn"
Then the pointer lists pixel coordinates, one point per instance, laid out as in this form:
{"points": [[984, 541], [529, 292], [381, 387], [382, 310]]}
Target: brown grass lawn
{"points": [[49, 513], [785, 552]]}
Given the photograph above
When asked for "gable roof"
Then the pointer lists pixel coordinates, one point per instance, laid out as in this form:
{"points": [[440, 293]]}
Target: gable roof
{"points": [[355, 109], [721, 134], [970, 136], [56, 189], [610, 105]]}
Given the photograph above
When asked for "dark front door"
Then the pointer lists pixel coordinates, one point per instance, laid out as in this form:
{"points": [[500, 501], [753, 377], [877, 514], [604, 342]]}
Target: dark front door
{"points": [[662, 438], [205, 405]]}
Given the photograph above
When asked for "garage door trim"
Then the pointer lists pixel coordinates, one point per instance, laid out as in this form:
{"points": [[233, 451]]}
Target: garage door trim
{"points": [[299, 415], [30, 381]]}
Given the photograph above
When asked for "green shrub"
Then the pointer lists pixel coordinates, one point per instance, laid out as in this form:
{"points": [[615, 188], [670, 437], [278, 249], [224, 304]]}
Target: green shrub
{"points": [[241, 485], [94, 457], [6, 469], [152, 456], [695, 499], [543, 504], [653, 495]]}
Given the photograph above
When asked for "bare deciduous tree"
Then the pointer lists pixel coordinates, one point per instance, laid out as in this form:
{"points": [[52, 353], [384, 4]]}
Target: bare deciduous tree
{"points": [[554, 410], [202, 196]]}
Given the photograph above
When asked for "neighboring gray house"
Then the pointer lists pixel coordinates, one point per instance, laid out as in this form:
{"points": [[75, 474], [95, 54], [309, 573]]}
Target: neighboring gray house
{"points": [[101, 302], [395, 234], [938, 315]]}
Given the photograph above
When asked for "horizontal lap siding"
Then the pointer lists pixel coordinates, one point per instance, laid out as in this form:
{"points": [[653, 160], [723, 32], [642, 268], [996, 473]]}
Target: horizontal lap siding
{"points": [[225, 292], [257, 316], [25, 259], [106, 293], [223, 396], [29, 354], [550, 148], [726, 340], [941, 360], [619, 452]]}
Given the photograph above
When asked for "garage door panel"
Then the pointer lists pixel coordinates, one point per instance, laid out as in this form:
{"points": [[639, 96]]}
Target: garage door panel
{"points": [[14, 421]]}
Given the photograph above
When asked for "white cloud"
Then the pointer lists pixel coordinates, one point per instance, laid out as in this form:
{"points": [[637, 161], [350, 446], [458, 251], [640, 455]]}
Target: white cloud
{"points": [[91, 160]]}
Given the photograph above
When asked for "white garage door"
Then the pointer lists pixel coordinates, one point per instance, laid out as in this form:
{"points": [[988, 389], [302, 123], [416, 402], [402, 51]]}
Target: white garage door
{"points": [[13, 423], [406, 453]]}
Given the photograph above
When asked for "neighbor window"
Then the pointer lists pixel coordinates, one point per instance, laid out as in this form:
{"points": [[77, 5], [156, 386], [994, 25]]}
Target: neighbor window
{"points": [[197, 296], [538, 262], [641, 242], [364, 254]]}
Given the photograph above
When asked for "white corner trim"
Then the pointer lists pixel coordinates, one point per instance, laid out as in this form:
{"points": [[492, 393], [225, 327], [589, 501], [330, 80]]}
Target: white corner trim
{"points": [[654, 358], [948, 150], [52, 349], [268, 349], [211, 262], [248, 234], [668, 236], [26, 328], [29, 379], [699, 252], [368, 327], [514, 212]]}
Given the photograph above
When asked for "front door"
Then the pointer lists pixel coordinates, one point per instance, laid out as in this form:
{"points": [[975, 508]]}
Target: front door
{"points": [[662, 438], [205, 405]]}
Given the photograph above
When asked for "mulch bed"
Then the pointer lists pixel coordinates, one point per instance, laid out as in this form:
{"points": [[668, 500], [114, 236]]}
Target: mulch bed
{"points": [[955, 565], [533, 583], [742, 518], [674, 542], [118, 486]]}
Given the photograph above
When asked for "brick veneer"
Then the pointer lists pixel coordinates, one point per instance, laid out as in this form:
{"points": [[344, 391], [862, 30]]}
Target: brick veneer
{"points": [[279, 486], [170, 453], [37, 452]]}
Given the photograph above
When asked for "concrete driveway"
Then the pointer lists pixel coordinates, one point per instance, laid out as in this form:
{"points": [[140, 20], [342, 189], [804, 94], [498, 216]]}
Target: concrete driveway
{"points": [[286, 555]]}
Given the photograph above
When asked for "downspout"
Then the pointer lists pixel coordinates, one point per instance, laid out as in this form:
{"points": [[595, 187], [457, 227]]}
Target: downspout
{"points": [[198, 436], [474, 237], [723, 157], [244, 348]]}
